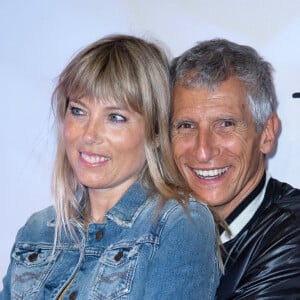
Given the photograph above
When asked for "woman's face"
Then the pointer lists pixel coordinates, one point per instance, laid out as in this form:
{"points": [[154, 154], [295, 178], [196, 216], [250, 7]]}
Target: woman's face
{"points": [[104, 144]]}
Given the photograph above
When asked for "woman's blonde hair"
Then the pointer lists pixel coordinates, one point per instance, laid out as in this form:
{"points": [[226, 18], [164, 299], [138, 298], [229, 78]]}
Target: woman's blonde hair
{"points": [[121, 69]]}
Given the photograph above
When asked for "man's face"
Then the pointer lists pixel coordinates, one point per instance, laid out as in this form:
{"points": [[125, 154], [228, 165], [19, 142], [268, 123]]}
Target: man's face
{"points": [[215, 143]]}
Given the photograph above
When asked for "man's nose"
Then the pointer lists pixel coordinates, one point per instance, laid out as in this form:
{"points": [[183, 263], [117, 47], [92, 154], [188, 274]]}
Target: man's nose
{"points": [[205, 146]]}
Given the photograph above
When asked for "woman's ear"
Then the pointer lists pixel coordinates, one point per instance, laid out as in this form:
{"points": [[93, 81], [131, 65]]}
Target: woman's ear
{"points": [[269, 134]]}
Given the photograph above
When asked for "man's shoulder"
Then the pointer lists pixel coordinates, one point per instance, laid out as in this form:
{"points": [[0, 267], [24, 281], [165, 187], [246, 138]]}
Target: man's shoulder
{"points": [[283, 195], [277, 219], [267, 246], [279, 211], [278, 214]]}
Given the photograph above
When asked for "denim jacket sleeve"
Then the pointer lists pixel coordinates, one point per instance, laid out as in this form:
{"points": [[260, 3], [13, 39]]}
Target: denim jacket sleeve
{"points": [[5, 293], [185, 265]]}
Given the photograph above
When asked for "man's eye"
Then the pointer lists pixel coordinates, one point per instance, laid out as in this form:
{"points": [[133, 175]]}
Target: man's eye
{"points": [[183, 125], [225, 126], [117, 118], [184, 128], [228, 123]]}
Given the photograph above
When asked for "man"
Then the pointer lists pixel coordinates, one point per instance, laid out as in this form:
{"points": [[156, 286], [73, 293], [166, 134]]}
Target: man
{"points": [[224, 124]]}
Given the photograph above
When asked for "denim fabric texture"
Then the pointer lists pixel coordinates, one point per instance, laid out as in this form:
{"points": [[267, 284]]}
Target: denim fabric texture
{"points": [[132, 255]]}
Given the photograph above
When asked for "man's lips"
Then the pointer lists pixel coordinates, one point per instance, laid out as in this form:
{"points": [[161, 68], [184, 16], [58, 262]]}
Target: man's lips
{"points": [[210, 174]]}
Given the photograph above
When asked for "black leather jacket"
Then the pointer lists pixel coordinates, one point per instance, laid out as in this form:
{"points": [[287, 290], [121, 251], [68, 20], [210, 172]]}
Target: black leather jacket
{"points": [[264, 258]]}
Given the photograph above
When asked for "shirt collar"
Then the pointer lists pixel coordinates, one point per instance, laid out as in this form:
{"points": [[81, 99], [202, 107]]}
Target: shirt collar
{"points": [[245, 211]]}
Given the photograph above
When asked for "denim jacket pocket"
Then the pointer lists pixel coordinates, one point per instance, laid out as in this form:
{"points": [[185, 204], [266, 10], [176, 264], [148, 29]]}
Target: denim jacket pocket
{"points": [[31, 266], [116, 271]]}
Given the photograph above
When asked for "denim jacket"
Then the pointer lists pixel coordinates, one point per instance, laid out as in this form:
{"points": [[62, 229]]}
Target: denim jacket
{"points": [[133, 255]]}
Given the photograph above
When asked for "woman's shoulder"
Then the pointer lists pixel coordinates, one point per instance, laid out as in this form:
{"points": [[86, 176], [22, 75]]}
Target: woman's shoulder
{"points": [[43, 216], [38, 225], [190, 223], [192, 213], [192, 206]]}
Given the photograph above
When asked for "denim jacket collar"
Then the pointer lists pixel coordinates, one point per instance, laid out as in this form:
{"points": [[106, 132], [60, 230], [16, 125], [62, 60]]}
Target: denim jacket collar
{"points": [[126, 209], [129, 206]]}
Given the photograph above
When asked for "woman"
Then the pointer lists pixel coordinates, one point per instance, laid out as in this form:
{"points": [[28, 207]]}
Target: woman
{"points": [[118, 229]]}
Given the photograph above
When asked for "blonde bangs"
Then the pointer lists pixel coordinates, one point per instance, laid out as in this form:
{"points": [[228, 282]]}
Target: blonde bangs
{"points": [[109, 76]]}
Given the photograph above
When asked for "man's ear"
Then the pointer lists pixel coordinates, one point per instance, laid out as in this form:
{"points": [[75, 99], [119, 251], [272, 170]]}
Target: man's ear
{"points": [[269, 134]]}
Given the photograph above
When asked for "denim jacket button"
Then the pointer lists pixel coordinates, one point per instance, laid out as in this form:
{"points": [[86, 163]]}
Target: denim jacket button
{"points": [[73, 295], [118, 256], [99, 235], [32, 257]]}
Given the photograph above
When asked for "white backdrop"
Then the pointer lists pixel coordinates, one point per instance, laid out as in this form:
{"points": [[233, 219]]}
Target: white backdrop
{"points": [[37, 39]]}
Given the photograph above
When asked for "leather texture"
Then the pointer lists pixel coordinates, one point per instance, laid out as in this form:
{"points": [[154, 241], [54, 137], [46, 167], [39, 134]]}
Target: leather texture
{"points": [[263, 260]]}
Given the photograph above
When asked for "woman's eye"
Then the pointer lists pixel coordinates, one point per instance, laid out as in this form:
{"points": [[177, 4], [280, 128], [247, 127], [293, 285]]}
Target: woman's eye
{"points": [[76, 111], [117, 118]]}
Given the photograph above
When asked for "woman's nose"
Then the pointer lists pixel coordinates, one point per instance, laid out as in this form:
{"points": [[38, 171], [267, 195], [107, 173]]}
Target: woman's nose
{"points": [[94, 132]]}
